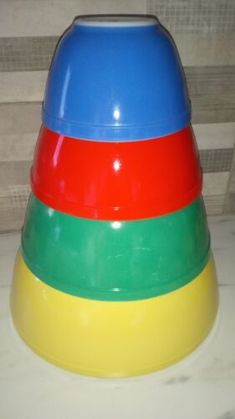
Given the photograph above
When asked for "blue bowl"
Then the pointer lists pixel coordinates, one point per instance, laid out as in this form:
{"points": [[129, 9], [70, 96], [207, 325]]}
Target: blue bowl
{"points": [[116, 78]]}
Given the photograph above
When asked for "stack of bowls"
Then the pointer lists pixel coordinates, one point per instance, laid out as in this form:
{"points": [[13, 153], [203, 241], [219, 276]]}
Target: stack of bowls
{"points": [[115, 275]]}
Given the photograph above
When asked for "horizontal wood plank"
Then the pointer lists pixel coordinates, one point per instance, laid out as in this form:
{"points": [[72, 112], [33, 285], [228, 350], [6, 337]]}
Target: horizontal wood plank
{"points": [[214, 136], [51, 17], [26, 53], [215, 183], [15, 147], [203, 49], [193, 16], [22, 86], [14, 173], [218, 160], [19, 118], [214, 204], [11, 219]]}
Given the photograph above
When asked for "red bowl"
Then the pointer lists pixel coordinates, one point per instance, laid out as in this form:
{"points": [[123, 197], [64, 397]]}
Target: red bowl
{"points": [[116, 181]]}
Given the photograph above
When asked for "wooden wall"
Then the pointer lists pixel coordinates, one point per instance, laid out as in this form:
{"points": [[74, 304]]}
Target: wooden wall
{"points": [[204, 32]]}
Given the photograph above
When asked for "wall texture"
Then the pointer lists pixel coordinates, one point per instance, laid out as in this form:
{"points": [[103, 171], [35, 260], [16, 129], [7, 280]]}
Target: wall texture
{"points": [[204, 32]]}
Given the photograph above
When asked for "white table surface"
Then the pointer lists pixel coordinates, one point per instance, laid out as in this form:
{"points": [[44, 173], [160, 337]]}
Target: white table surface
{"points": [[200, 387]]}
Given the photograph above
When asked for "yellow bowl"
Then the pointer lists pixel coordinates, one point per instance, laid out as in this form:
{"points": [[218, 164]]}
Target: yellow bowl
{"points": [[113, 339]]}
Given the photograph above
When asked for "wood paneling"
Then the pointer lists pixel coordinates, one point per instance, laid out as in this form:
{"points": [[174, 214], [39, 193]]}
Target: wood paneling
{"points": [[218, 160], [214, 204], [195, 16], [203, 49], [17, 146], [22, 86], [26, 53], [230, 195], [51, 17], [213, 136], [14, 173], [19, 118]]}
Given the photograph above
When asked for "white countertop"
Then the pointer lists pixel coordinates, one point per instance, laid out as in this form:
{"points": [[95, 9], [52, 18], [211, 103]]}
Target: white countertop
{"points": [[200, 387]]}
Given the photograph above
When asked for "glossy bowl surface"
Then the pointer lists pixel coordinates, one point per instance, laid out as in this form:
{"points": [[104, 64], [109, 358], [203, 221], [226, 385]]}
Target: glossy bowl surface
{"points": [[115, 260], [113, 339], [116, 83], [116, 181]]}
